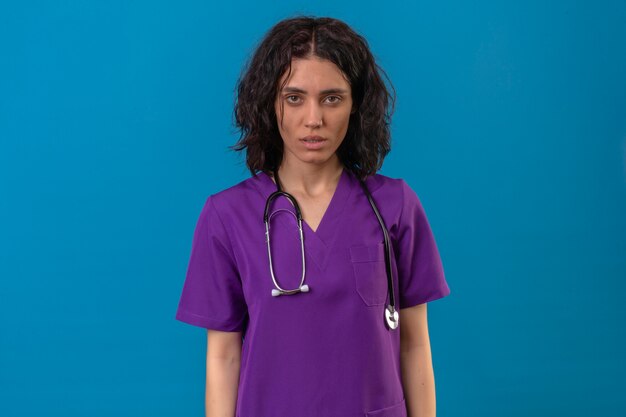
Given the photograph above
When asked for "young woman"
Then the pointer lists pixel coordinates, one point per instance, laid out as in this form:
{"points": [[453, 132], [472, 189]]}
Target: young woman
{"points": [[323, 315]]}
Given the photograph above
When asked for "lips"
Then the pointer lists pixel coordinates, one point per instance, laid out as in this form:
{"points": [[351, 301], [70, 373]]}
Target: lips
{"points": [[313, 142], [312, 138]]}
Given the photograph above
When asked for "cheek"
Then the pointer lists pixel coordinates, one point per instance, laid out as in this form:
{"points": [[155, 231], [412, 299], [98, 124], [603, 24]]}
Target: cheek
{"points": [[286, 124], [341, 119], [288, 127], [281, 118]]}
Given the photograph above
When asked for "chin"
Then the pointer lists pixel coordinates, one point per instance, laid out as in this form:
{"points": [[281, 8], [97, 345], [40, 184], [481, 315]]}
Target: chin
{"points": [[311, 157], [316, 159]]}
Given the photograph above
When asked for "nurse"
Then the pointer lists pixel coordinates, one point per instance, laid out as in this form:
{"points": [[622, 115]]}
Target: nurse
{"points": [[312, 107]]}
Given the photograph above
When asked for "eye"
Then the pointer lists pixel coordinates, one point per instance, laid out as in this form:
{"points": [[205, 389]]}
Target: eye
{"points": [[292, 101], [338, 99]]}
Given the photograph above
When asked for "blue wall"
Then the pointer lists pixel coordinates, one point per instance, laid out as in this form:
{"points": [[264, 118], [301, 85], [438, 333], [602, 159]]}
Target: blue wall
{"points": [[115, 119]]}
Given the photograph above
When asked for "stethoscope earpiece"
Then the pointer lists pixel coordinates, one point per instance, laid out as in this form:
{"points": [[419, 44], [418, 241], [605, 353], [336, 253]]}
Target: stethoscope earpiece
{"points": [[276, 292]]}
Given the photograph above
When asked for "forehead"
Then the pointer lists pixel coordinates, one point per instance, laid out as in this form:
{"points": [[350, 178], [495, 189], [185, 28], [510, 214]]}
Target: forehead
{"points": [[314, 74]]}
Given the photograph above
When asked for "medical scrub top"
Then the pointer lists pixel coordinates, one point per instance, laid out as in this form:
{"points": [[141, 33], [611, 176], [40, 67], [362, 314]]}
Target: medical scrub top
{"points": [[326, 352]]}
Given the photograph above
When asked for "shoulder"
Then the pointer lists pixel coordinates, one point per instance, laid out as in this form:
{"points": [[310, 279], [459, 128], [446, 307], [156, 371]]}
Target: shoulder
{"points": [[389, 194], [388, 187], [397, 196], [236, 197]]}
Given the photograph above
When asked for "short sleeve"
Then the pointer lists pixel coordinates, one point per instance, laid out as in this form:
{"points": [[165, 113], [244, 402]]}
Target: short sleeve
{"points": [[420, 270], [212, 295]]}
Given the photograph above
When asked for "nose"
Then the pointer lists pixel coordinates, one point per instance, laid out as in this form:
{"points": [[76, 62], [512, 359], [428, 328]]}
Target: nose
{"points": [[314, 115]]}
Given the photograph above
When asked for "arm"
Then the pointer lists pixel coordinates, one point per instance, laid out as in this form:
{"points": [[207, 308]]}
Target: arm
{"points": [[223, 362], [416, 363]]}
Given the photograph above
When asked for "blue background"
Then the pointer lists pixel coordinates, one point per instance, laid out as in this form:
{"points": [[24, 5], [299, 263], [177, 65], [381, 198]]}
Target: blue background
{"points": [[115, 117]]}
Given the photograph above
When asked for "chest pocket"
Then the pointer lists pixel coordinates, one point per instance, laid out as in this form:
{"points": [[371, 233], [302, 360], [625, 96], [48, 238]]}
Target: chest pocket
{"points": [[370, 278]]}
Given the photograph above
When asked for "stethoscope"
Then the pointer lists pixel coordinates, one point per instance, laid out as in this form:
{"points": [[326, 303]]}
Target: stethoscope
{"points": [[391, 314]]}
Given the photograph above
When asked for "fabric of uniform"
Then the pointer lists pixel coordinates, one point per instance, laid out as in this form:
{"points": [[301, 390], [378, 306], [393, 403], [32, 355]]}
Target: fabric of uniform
{"points": [[327, 352]]}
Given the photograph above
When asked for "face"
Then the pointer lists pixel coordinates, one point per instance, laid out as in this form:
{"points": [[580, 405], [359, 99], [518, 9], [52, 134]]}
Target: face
{"points": [[316, 100]]}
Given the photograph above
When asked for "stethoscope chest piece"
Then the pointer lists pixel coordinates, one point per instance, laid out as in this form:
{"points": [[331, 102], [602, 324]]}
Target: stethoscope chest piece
{"points": [[391, 317]]}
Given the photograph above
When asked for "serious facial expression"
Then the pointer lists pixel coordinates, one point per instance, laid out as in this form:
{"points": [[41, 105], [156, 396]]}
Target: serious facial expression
{"points": [[316, 100]]}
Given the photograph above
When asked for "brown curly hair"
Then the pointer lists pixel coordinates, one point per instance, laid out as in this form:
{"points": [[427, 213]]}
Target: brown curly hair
{"points": [[367, 139]]}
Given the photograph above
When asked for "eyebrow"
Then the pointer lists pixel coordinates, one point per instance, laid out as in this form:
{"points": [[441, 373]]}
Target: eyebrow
{"points": [[327, 91]]}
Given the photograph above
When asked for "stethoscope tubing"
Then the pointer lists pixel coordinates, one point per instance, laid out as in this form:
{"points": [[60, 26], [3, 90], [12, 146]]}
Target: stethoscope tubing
{"points": [[279, 290], [392, 300], [391, 314]]}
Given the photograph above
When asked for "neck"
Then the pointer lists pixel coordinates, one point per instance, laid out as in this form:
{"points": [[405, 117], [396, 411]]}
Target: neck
{"points": [[309, 179]]}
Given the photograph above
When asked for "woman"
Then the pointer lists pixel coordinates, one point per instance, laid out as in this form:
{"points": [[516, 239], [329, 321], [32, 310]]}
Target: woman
{"points": [[312, 109]]}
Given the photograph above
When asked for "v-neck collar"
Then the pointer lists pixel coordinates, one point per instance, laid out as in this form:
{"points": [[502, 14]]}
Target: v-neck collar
{"points": [[317, 243]]}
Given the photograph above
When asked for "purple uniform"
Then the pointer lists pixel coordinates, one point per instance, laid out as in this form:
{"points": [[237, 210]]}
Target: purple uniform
{"points": [[326, 352]]}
